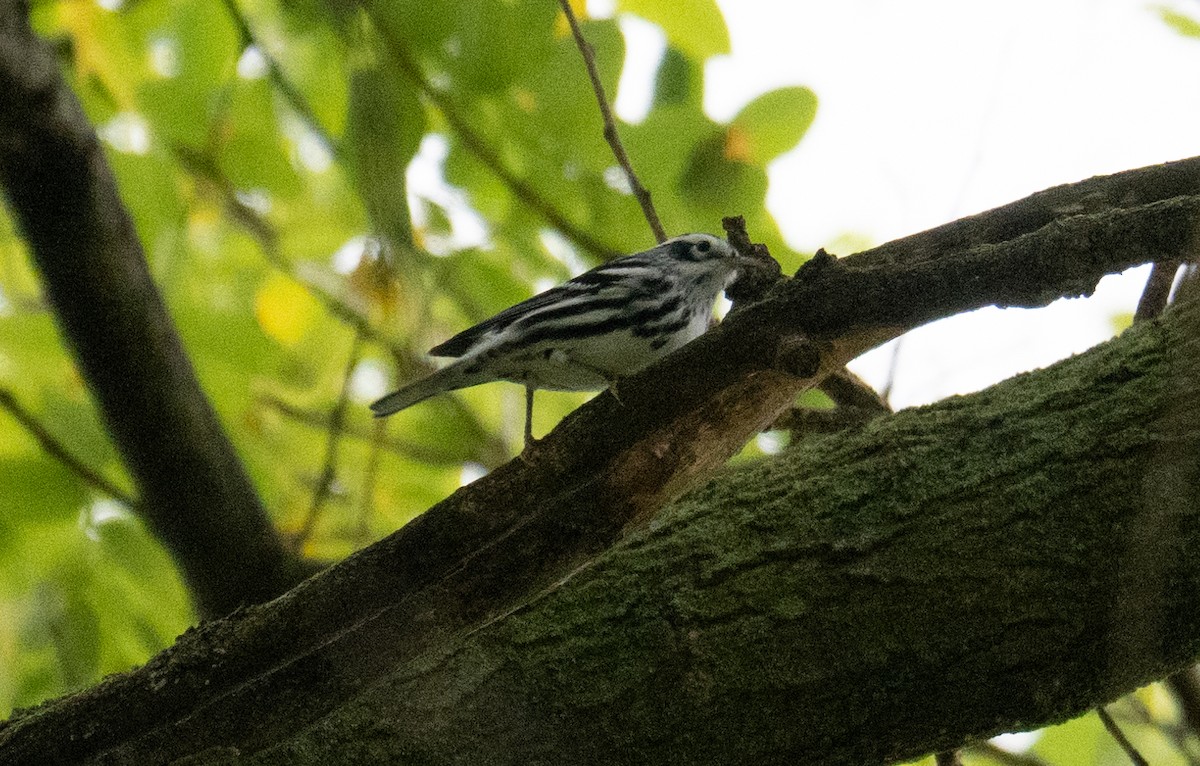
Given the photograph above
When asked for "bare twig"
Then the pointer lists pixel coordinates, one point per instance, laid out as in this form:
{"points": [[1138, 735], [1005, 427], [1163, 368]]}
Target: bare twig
{"points": [[337, 418], [948, 758], [475, 144], [893, 367], [1134, 756], [1179, 733], [610, 125], [1157, 290], [1185, 685], [59, 451]]}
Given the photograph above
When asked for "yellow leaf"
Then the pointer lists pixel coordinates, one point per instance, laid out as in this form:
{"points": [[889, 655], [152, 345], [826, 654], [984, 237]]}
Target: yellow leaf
{"points": [[284, 309], [739, 146]]}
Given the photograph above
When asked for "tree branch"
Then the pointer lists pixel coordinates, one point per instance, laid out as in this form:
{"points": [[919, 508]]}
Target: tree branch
{"points": [[290, 92], [781, 614], [196, 497], [610, 466], [1136, 758]]}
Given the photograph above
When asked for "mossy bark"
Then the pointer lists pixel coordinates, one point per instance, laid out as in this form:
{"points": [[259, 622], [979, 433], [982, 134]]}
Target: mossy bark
{"points": [[994, 562]]}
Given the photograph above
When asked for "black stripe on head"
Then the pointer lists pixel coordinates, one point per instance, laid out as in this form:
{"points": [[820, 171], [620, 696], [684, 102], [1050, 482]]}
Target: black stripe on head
{"points": [[683, 250], [693, 248]]}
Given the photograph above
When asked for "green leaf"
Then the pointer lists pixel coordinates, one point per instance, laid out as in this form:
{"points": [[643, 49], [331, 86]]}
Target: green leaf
{"points": [[38, 489], [770, 125], [254, 154], [200, 50], [677, 80], [385, 125], [1184, 25], [695, 27]]}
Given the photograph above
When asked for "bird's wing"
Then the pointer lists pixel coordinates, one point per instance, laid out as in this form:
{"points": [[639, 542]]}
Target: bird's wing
{"points": [[598, 281], [466, 340]]}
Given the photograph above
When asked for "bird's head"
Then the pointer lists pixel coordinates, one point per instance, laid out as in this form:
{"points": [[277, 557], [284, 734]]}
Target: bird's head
{"points": [[703, 259]]}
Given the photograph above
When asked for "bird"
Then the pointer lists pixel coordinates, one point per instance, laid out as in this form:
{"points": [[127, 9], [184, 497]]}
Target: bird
{"points": [[584, 334]]}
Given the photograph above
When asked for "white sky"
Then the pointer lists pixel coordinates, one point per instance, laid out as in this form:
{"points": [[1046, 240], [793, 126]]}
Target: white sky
{"points": [[935, 109]]}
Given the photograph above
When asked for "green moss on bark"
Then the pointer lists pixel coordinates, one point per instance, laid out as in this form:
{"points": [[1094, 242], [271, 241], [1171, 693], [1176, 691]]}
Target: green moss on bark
{"points": [[993, 562]]}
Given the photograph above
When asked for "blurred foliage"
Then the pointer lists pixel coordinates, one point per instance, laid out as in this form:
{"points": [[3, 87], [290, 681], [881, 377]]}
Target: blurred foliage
{"points": [[1181, 23], [304, 173]]}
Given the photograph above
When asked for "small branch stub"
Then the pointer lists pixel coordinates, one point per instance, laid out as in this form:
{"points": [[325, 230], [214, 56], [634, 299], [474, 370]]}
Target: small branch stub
{"points": [[761, 271]]}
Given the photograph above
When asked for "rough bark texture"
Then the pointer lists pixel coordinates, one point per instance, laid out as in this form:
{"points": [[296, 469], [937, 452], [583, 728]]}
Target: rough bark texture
{"points": [[195, 494], [990, 563]]}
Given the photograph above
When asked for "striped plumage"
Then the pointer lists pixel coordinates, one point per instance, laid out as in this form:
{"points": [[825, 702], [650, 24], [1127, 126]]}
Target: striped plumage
{"points": [[582, 335]]}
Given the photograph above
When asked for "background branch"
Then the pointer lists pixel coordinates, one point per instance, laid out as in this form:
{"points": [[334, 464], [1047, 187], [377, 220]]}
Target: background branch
{"points": [[59, 451], [196, 496]]}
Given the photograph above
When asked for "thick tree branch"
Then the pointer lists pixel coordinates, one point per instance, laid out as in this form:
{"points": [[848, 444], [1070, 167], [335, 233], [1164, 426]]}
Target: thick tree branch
{"points": [[610, 466], [195, 494], [780, 615]]}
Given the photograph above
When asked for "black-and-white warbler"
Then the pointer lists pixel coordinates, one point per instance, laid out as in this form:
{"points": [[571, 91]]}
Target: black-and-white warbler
{"points": [[584, 334]]}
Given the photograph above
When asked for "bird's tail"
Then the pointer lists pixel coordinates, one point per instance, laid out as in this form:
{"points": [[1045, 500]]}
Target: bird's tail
{"points": [[448, 378]]}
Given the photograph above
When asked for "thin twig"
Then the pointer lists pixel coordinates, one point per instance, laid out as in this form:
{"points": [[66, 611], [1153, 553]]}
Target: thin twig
{"points": [[610, 125], [889, 384], [1157, 291], [337, 417], [57, 450], [948, 758], [1134, 756], [290, 93], [1180, 734], [475, 144]]}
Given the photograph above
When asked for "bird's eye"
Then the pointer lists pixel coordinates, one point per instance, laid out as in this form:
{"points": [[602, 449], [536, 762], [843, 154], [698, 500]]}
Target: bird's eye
{"points": [[703, 246]]}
